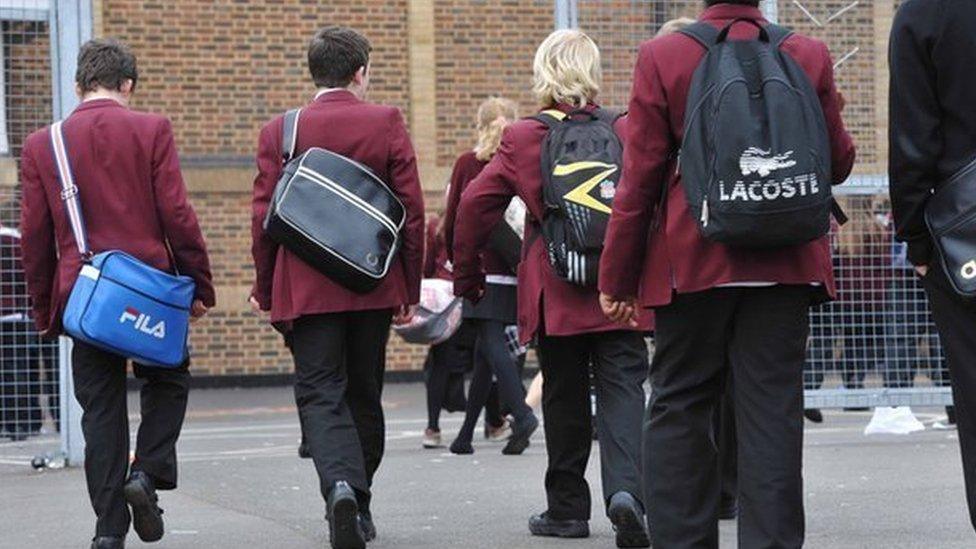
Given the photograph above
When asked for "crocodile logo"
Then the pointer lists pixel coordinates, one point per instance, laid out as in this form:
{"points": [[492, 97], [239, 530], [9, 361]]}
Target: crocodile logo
{"points": [[756, 160]]}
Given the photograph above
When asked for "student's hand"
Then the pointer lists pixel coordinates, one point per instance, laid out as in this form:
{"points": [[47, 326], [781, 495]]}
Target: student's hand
{"points": [[256, 307], [404, 314], [198, 310], [624, 311], [922, 270]]}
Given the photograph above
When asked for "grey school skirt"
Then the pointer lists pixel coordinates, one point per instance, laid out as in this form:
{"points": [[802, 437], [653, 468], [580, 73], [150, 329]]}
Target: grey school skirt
{"points": [[500, 303]]}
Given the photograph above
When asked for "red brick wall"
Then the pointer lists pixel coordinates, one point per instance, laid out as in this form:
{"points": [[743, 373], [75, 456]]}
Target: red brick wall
{"points": [[483, 49], [27, 75], [221, 68]]}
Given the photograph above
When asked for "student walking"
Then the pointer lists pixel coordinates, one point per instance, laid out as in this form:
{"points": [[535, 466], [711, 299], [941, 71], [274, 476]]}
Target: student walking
{"points": [[932, 141], [488, 317], [337, 335], [563, 316], [128, 181], [719, 300]]}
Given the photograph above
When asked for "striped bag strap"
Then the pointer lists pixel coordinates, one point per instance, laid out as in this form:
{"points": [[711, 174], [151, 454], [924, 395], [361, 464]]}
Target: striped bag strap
{"points": [[69, 191]]}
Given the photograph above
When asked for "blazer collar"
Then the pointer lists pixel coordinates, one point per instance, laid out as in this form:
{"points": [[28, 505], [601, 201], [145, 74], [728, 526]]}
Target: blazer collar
{"points": [[727, 12], [101, 103]]}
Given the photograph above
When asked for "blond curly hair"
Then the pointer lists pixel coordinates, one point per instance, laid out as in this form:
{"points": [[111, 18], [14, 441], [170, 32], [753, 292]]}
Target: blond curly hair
{"points": [[494, 115], [566, 69]]}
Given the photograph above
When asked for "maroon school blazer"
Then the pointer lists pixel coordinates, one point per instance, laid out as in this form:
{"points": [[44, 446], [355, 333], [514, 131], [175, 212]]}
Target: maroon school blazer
{"points": [[544, 300], [670, 255], [132, 196], [373, 135], [466, 169]]}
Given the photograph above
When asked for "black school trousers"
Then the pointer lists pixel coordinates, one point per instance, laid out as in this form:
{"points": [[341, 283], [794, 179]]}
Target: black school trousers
{"points": [[955, 319], [100, 387], [339, 363], [619, 367], [760, 335]]}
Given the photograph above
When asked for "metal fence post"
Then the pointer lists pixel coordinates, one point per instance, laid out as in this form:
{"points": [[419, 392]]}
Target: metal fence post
{"points": [[70, 26], [771, 10], [566, 14]]}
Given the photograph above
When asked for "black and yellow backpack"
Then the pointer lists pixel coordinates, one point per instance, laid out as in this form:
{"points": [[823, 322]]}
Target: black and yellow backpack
{"points": [[581, 164]]}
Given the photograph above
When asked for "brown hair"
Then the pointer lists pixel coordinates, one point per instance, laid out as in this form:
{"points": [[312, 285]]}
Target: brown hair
{"points": [[335, 54], [105, 63]]}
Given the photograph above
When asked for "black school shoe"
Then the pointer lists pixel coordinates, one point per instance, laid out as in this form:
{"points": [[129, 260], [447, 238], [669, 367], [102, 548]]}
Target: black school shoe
{"points": [[627, 517], [542, 525], [367, 525], [147, 517], [345, 531], [106, 542], [521, 433]]}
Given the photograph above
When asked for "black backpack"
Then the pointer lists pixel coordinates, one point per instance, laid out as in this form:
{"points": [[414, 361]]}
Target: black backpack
{"points": [[581, 164], [755, 160]]}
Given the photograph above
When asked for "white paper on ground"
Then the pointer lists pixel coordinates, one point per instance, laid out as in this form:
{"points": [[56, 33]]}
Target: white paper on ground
{"points": [[893, 421]]}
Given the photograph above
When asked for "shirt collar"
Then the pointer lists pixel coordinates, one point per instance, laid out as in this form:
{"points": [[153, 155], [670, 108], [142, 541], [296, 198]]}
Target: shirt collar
{"points": [[323, 91], [98, 103]]}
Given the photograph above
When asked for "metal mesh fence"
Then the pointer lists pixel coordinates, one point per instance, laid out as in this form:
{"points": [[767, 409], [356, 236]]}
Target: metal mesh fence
{"points": [[876, 345], [29, 390]]}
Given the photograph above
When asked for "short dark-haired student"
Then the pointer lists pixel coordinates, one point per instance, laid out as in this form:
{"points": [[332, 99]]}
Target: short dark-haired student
{"points": [[338, 336], [128, 177], [716, 306]]}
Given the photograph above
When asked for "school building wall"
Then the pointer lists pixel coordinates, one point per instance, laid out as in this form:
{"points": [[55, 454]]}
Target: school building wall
{"points": [[220, 68]]}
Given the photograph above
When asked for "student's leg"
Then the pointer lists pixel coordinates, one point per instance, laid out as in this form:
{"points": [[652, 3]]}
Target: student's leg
{"points": [[99, 379], [366, 338], [681, 473], [620, 368], [728, 453], [564, 362], [163, 399], [956, 321], [477, 396], [769, 334], [493, 348], [318, 347], [438, 370]]}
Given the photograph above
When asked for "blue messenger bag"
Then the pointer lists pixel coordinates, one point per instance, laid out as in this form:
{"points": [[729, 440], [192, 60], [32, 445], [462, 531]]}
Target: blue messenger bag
{"points": [[119, 304]]}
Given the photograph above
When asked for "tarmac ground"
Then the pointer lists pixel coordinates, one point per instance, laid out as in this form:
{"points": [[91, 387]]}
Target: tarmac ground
{"points": [[242, 485]]}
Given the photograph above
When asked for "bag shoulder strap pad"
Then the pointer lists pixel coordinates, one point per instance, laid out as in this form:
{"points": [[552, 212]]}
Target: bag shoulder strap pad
{"points": [[703, 33], [289, 138], [550, 117], [69, 191], [778, 34]]}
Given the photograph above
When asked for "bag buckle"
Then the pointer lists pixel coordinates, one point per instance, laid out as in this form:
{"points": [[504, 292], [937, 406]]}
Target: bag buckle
{"points": [[69, 193]]}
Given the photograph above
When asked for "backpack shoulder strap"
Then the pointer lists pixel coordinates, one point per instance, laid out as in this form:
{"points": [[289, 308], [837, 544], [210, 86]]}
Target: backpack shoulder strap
{"points": [[69, 191], [290, 134], [550, 117], [610, 116], [778, 34], [703, 33]]}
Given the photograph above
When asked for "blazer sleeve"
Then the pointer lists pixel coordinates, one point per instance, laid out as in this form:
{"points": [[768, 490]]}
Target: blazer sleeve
{"points": [[264, 250], [38, 245], [648, 144], [406, 183], [481, 206], [180, 225], [915, 138], [842, 152], [454, 191]]}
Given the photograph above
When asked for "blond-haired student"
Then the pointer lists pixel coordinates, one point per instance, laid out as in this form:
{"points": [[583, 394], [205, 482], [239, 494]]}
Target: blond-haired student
{"points": [[488, 318], [564, 318]]}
